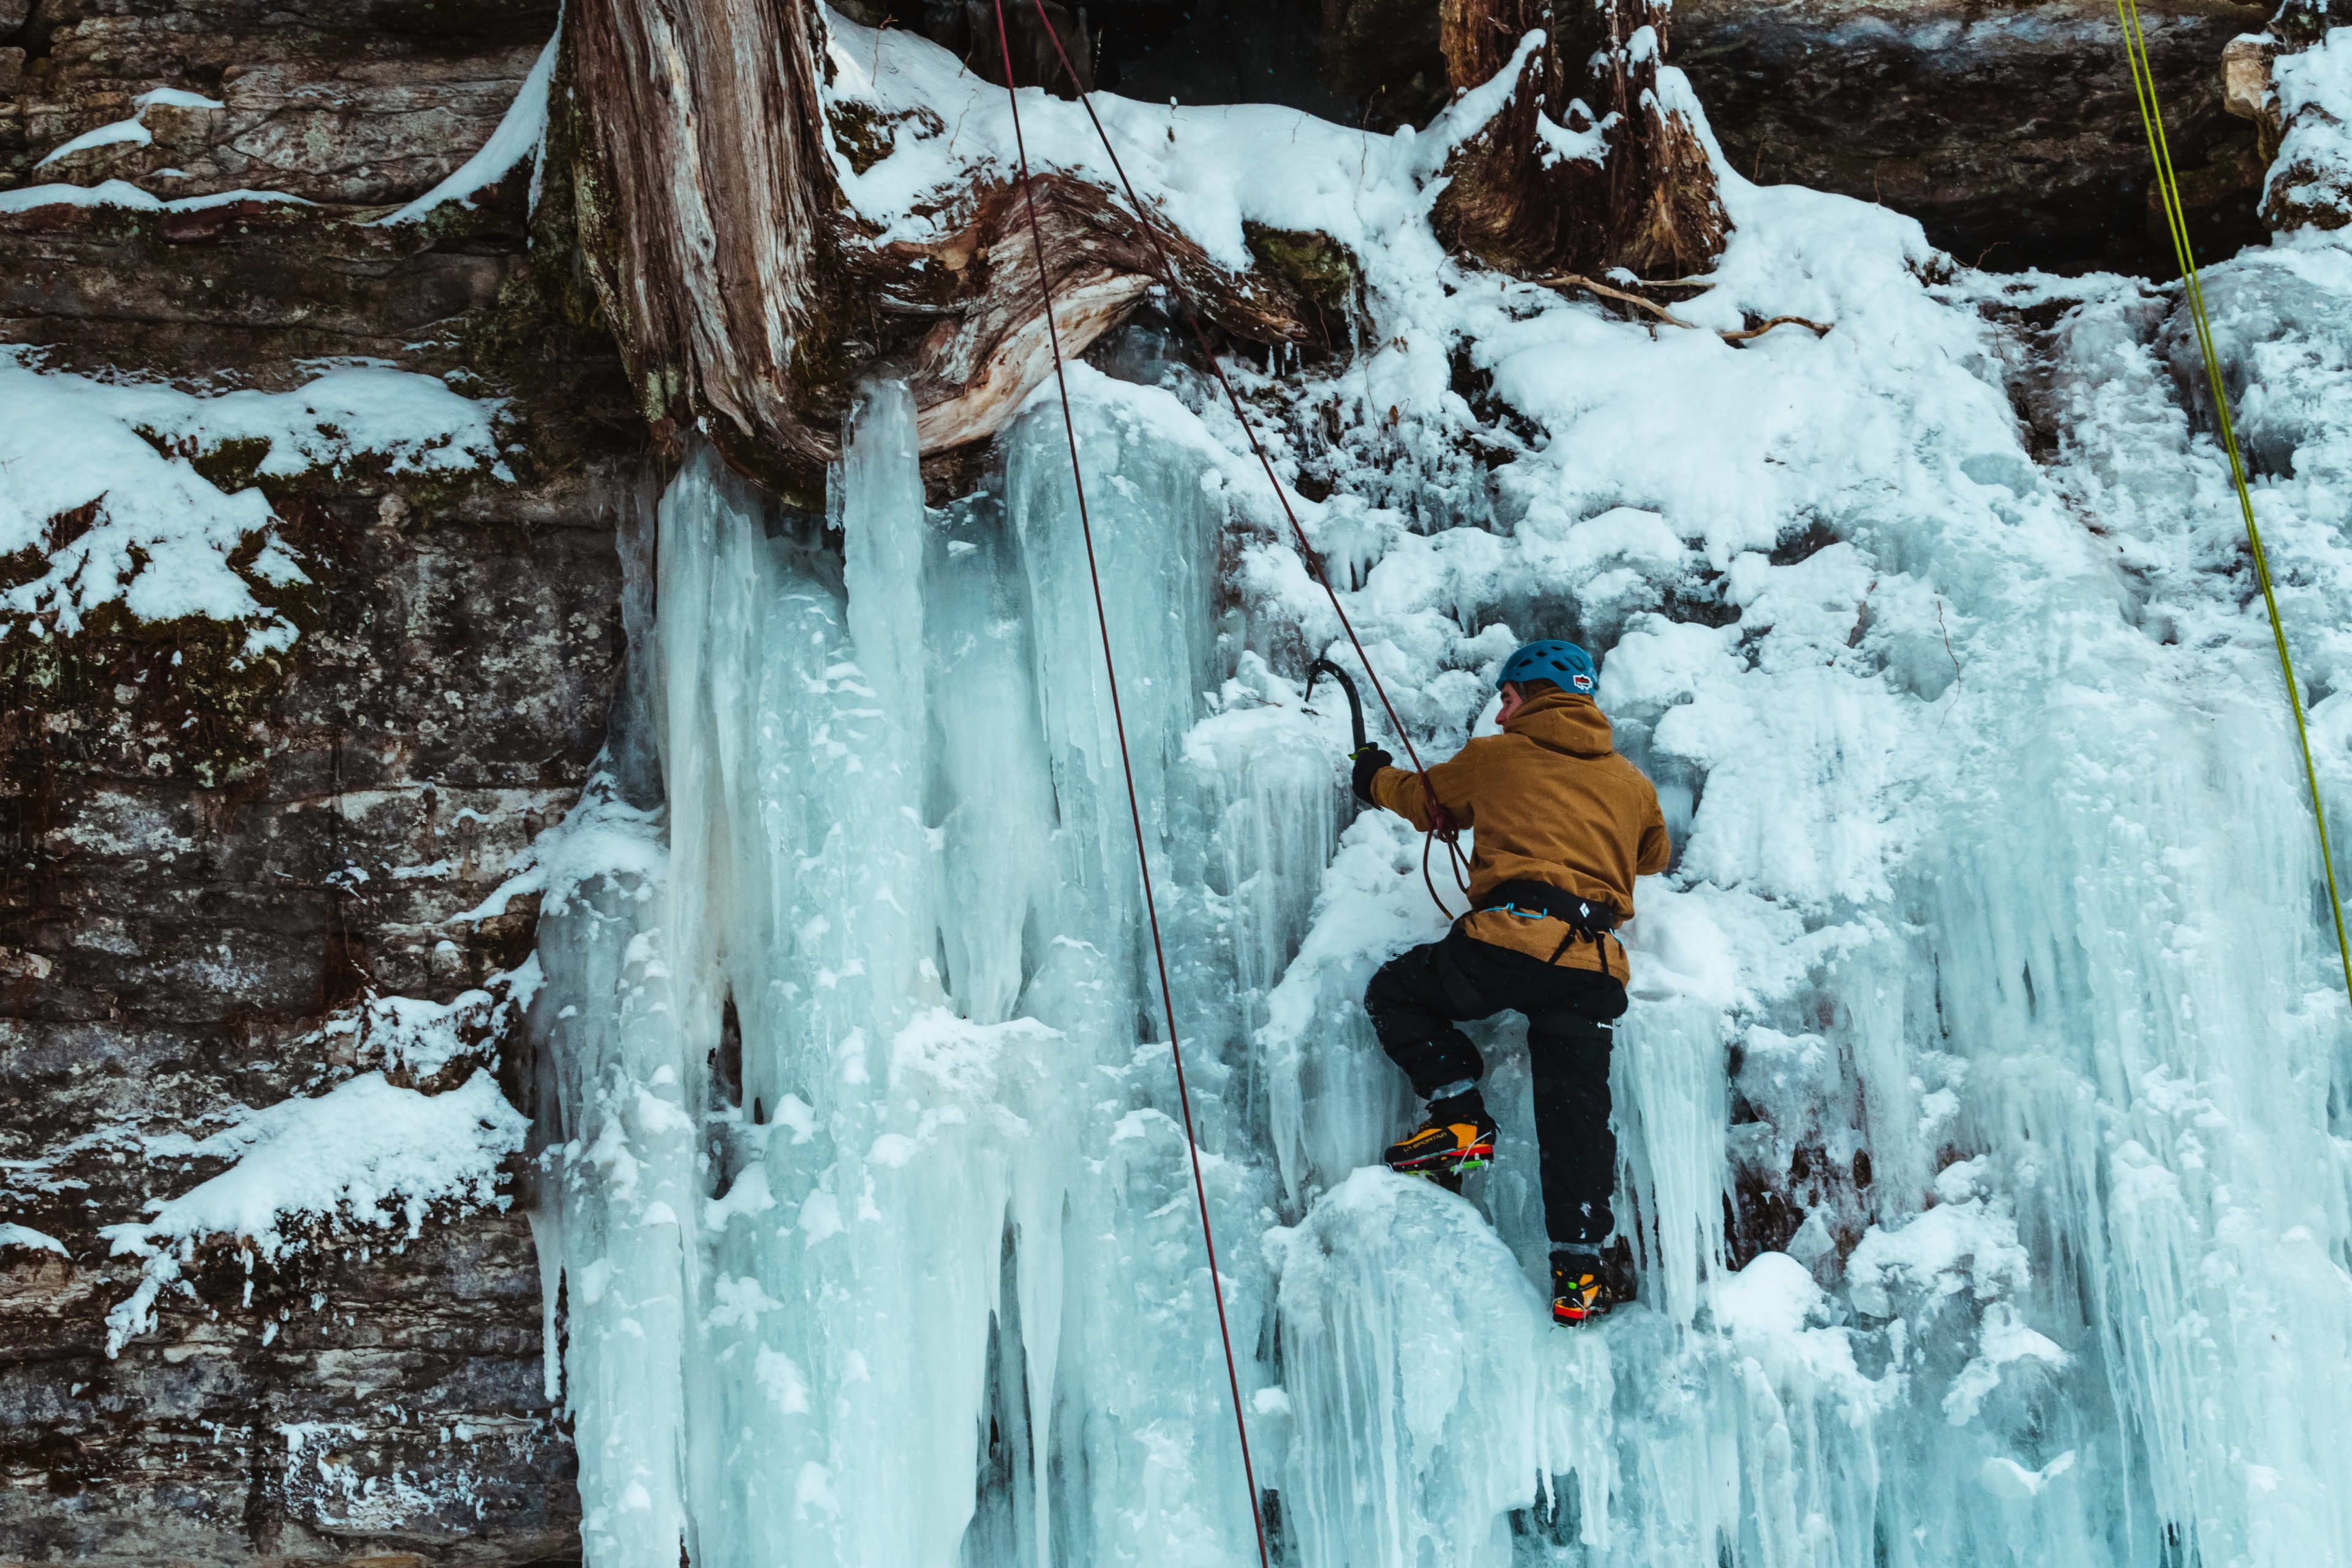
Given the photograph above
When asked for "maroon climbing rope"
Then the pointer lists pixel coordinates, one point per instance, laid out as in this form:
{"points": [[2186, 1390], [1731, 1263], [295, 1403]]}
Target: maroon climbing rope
{"points": [[1134, 811], [1442, 826]]}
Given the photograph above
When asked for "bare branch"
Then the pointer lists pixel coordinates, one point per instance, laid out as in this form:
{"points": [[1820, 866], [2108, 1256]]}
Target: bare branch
{"points": [[1820, 328], [1567, 281]]}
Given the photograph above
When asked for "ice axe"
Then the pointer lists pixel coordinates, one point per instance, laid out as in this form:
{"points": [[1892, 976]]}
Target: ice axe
{"points": [[1323, 667], [1440, 827]]}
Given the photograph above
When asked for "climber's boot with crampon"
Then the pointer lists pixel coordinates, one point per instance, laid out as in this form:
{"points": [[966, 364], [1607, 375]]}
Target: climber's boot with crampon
{"points": [[1585, 1286], [1457, 1136]]}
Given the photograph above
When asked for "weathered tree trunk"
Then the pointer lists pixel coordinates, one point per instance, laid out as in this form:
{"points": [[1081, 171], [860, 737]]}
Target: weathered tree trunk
{"points": [[1584, 169], [749, 300], [706, 205]]}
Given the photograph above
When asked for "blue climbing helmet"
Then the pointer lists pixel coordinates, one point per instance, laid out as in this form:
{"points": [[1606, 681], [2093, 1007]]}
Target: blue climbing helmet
{"points": [[1563, 664]]}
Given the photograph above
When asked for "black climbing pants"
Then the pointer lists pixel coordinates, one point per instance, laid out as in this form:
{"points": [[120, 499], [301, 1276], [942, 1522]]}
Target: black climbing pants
{"points": [[1417, 998]]}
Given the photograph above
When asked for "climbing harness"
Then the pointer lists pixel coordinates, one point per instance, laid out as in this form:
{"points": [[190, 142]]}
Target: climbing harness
{"points": [[1126, 767], [1442, 826], [2151, 116], [1541, 901]]}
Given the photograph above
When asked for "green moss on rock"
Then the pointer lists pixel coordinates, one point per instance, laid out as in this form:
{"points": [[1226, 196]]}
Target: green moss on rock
{"points": [[184, 699], [867, 135], [1320, 268]]}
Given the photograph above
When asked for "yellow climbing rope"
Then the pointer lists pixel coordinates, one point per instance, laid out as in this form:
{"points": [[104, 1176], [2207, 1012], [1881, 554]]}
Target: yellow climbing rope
{"points": [[2151, 116]]}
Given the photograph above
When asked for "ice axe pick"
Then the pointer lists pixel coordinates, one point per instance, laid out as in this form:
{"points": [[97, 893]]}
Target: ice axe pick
{"points": [[1323, 667]]}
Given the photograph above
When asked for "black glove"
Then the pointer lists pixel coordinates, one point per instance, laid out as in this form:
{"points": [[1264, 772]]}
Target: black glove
{"points": [[1368, 760]]}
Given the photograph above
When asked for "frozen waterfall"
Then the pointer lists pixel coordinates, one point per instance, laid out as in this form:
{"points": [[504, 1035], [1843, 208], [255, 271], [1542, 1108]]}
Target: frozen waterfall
{"points": [[906, 1282], [1983, 1104]]}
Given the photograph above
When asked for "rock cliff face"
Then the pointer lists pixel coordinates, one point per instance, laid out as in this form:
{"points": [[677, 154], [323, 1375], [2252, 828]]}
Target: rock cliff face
{"points": [[178, 924], [218, 860], [2010, 132], [335, 103], [213, 863]]}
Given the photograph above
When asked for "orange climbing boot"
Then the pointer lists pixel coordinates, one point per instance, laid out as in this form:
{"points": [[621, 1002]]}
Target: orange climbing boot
{"points": [[1585, 1286], [1458, 1136]]}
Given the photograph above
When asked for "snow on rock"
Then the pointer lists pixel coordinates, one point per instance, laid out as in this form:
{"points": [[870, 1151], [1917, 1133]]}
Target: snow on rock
{"points": [[366, 1153], [1208, 170], [106, 135], [2310, 179], [123, 194], [176, 98], [154, 534], [1969, 1246], [329, 1472], [521, 134], [132, 131], [24, 1236], [417, 1040]]}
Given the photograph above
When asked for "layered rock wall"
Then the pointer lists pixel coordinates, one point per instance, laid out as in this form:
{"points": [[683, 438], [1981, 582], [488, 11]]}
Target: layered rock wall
{"points": [[332, 103], [2010, 132], [212, 863]]}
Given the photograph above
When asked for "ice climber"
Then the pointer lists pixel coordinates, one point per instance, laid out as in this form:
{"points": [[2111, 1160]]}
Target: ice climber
{"points": [[1562, 825]]}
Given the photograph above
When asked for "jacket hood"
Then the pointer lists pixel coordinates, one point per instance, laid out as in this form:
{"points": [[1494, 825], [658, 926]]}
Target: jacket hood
{"points": [[1563, 721]]}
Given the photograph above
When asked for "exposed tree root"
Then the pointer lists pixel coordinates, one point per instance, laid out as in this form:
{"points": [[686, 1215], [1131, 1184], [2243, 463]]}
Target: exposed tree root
{"points": [[1564, 281], [1820, 328]]}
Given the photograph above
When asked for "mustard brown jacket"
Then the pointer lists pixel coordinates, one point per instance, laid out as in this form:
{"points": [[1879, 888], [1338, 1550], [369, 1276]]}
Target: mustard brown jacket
{"points": [[1550, 801]]}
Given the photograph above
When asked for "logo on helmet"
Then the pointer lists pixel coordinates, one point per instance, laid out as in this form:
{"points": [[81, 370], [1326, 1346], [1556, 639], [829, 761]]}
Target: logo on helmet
{"points": [[1582, 682]]}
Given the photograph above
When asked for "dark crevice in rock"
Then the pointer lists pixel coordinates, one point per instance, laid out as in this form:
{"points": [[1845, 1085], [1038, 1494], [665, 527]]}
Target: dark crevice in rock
{"points": [[22, 27]]}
